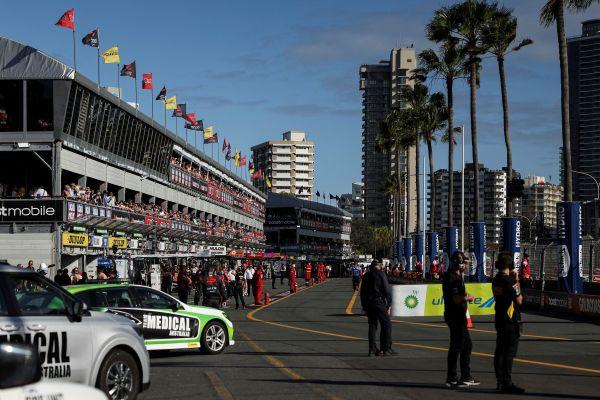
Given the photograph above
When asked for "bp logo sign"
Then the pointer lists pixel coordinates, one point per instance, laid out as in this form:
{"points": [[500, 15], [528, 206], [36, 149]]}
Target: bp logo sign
{"points": [[411, 301]]}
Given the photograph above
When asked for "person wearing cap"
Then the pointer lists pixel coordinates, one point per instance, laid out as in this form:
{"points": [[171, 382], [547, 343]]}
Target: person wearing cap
{"points": [[376, 301], [455, 310], [507, 321]]}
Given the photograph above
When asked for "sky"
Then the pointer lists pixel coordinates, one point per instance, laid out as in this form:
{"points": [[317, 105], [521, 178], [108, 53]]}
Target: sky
{"points": [[254, 69]]}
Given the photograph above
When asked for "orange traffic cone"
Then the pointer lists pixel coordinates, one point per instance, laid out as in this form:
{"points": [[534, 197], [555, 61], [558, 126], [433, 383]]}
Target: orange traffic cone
{"points": [[267, 298], [469, 320]]}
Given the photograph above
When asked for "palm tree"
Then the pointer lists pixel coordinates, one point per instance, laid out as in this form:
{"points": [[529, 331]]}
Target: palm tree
{"points": [[554, 12], [445, 65], [415, 98], [498, 35], [433, 119], [464, 23], [393, 187]]}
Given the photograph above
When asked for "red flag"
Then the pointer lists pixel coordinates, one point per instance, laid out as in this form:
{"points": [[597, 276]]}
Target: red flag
{"points": [[225, 144], [67, 20], [242, 162], [191, 118], [147, 81], [258, 174]]}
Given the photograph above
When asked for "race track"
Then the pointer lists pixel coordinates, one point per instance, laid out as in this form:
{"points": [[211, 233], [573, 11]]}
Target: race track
{"points": [[312, 345]]}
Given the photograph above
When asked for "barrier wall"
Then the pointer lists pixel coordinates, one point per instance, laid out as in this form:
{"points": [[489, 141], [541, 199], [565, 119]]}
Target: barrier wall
{"points": [[576, 304], [427, 300]]}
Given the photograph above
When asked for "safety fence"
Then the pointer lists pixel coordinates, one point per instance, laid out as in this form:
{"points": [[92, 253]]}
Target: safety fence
{"points": [[544, 260]]}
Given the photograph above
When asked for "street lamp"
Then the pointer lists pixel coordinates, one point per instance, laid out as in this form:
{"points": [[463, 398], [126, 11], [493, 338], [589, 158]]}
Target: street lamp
{"points": [[595, 180], [528, 220]]}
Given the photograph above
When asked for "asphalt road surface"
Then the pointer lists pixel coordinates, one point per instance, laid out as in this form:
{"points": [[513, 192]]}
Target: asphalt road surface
{"points": [[312, 345]]}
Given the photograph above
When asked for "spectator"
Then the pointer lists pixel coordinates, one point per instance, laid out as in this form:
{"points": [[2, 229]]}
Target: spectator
{"points": [[525, 273], [75, 276], [40, 192], [101, 274]]}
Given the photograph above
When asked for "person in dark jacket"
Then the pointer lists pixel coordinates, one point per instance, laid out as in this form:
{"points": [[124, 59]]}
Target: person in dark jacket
{"points": [[184, 284], [507, 320], [455, 315], [376, 301]]}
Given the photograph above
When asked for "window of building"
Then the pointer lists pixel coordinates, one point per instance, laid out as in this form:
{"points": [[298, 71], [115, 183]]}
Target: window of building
{"points": [[40, 113], [11, 106]]}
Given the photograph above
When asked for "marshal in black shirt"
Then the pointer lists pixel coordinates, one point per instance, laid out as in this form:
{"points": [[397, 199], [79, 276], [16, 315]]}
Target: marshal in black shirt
{"points": [[505, 294], [453, 285]]}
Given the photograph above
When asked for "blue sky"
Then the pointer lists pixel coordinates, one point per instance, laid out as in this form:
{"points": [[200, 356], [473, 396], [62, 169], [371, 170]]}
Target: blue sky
{"points": [[256, 69]]}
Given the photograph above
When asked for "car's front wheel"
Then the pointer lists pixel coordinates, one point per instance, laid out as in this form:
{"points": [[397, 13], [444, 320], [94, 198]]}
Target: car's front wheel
{"points": [[119, 376], [214, 338]]}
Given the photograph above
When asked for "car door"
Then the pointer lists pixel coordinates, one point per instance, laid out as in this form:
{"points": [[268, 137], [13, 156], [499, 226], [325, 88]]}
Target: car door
{"points": [[164, 322], [45, 312]]}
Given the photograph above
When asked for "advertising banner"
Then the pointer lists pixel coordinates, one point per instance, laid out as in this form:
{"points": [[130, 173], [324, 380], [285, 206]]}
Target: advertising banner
{"points": [[31, 210], [118, 242], [418, 250], [407, 244], [569, 232], [477, 251], [510, 239], [409, 300], [431, 249], [98, 241], [427, 300], [450, 243], [75, 239]]}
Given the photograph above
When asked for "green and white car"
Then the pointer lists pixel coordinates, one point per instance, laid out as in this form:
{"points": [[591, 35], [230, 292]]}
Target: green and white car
{"points": [[166, 322]]}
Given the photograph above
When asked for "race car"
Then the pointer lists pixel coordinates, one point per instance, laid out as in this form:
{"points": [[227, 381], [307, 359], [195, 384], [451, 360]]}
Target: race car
{"points": [[166, 322], [75, 345]]}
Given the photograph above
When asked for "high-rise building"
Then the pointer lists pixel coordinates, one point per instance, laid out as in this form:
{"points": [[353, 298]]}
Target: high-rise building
{"points": [[288, 165], [539, 208], [492, 199], [353, 202], [584, 108], [381, 85]]}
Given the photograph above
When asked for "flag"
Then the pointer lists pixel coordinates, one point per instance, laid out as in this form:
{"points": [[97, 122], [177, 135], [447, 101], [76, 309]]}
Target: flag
{"points": [[236, 158], [191, 118], [331, 197], [163, 94], [318, 194], [147, 82], [251, 167], [257, 175], [180, 111], [242, 161], [208, 132], [129, 70], [111, 56], [213, 139], [268, 182], [225, 144], [91, 39], [67, 20], [171, 103], [198, 127], [228, 154]]}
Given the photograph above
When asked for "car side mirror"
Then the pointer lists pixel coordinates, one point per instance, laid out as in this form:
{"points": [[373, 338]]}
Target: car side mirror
{"points": [[79, 309], [19, 365], [175, 306]]}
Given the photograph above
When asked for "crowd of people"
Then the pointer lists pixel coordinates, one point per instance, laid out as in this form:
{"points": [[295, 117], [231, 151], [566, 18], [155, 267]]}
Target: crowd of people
{"points": [[214, 187], [108, 199]]}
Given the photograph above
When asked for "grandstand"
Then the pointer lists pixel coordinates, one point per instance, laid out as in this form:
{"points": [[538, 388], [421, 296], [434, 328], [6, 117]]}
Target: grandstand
{"points": [[86, 175]]}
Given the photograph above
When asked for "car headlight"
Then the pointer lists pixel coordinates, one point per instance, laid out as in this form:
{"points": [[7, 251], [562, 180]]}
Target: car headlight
{"points": [[138, 330]]}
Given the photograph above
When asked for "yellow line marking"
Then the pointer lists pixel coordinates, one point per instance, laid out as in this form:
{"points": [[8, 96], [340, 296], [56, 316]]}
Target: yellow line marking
{"points": [[219, 386], [352, 301], [251, 316], [286, 370]]}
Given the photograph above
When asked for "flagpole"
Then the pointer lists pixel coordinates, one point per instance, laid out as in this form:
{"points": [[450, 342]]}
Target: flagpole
{"points": [[212, 151], [74, 57], [152, 100], [98, 59], [165, 101], [186, 135], [176, 133], [136, 91], [119, 80]]}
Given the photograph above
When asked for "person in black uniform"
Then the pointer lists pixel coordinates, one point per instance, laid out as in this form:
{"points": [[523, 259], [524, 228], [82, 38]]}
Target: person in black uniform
{"points": [[238, 288], [455, 310], [376, 300], [507, 294]]}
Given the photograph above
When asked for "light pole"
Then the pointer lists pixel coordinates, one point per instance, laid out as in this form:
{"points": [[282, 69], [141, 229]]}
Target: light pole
{"points": [[595, 180], [462, 188], [528, 220]]}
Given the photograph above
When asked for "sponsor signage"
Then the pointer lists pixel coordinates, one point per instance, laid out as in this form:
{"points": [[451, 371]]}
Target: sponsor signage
{"points": [[134, 244], [98, 241], [417, 248], [510, 239], [31, 210], [75, 239], [428, 300], [477, 251], [407, 254], [596, 278], [432, 249], [118, 242], [569, 230], [580, 304], [450, 243]]}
